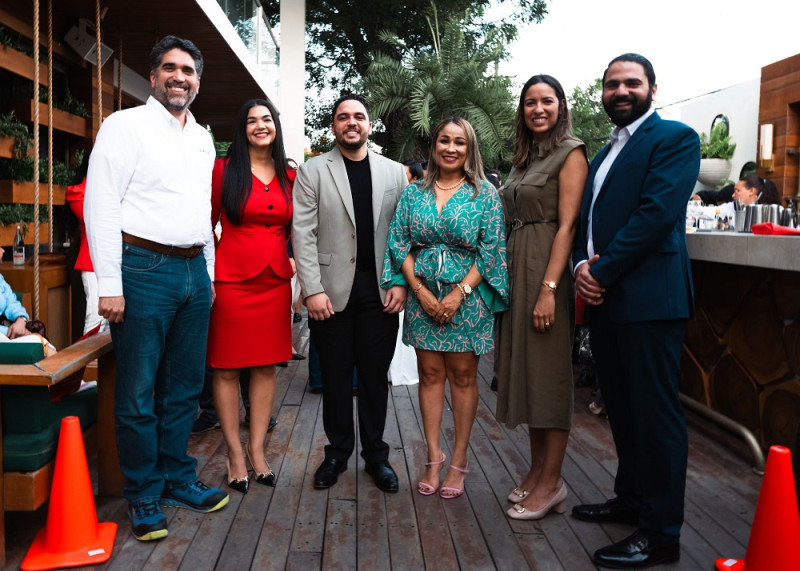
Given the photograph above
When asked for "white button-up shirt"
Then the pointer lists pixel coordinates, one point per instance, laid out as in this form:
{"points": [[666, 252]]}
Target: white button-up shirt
{"points": [[618, 139], [151, 178]]}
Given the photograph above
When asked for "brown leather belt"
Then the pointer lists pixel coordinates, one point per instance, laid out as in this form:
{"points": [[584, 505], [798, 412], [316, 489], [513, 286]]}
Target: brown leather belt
{"points": [[189, 252]]}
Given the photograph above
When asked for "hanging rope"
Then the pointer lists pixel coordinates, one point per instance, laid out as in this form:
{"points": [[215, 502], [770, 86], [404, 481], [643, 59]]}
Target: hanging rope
{"points": [[35, 104], [49, 131], [98, 47]]}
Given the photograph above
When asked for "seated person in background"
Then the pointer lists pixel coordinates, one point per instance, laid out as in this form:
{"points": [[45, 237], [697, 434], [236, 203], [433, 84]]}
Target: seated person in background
{"points": [[752, 189], [11, 309], [715, 197], [413, 170]]}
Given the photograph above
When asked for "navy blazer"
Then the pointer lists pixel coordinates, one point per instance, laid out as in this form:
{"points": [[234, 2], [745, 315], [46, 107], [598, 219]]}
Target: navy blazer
{"points": [[638, 223]]}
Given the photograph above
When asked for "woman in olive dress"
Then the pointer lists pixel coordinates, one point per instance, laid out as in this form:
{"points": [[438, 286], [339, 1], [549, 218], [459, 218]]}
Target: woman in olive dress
{"points": [[542, 198], [446, 242]]}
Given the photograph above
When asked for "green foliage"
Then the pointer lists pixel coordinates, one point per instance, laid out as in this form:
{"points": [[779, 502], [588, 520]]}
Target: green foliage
{"points": [[342, 34], [221, 148], [452, 75], [718, 145], [21, 213], [65, 102], [11, 127], [21, 170], [590, 123]]}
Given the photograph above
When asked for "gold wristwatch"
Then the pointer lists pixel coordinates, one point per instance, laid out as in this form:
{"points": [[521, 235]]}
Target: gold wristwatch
{"points": [[551, 284]]}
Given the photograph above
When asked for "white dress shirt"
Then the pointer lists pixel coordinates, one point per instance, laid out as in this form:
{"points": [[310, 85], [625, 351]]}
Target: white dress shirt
{"points": [[150, 178]]}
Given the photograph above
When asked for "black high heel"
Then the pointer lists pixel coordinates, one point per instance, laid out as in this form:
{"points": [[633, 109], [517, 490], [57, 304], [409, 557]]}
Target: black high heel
{"points": [[263, 478], [239, 484]]}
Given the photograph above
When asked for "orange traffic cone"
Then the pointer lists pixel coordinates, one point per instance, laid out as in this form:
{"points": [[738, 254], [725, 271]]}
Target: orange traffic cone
{"points": [[72, 536], [774, 543]]}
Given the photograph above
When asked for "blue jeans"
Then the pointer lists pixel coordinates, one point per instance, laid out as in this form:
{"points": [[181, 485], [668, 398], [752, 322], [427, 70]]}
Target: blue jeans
{"points": [[161, 350]]}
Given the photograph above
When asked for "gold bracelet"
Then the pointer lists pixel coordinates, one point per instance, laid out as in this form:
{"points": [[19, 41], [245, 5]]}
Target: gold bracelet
{"points": [[551, 284], [418, 287], [462, 290]]}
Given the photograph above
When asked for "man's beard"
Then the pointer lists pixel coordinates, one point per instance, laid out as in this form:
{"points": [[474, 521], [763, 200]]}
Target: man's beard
{"points": [[178, 102], [350, 146], [623, 118]]}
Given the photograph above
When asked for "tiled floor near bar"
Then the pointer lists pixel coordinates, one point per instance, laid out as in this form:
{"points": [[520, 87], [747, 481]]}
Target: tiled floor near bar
{"points": [[353, 525]]}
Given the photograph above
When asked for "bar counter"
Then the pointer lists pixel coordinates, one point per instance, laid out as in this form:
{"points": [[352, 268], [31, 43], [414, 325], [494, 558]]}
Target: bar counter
{"points": [[742, 351]]}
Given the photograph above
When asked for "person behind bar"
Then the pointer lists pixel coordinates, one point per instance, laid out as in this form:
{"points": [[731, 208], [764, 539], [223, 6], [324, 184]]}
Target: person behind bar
{"points": [[343, 203], [632, 268], [148, 221]]}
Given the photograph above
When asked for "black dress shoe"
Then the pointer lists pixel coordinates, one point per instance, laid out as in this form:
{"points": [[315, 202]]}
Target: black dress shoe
{"points": [[383, 475], [612, 511], [298, 357], [328, 472], [637, 551]]}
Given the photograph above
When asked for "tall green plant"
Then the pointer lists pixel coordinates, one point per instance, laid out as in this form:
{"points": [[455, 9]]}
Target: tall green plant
{"points": [[454, 75]]}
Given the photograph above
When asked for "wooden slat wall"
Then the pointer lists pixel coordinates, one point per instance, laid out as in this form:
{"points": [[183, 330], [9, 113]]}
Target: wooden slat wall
{"points": [[780, 105]]}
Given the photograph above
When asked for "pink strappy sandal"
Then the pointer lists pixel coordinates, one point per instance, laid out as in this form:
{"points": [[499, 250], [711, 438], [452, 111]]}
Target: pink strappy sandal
{"points": [[449, 493], [423, 487]]}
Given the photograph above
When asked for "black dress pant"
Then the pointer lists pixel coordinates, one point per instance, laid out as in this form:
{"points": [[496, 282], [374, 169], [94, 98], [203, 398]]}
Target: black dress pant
{"points": [[364, 336], [638, 368]]}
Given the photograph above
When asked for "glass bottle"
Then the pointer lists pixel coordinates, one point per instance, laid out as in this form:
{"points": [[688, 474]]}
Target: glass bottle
{"points": [[18, 248]]}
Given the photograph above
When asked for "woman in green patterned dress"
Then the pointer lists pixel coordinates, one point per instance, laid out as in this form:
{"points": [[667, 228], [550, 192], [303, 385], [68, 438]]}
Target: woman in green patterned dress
{"points": [[446, 242]]}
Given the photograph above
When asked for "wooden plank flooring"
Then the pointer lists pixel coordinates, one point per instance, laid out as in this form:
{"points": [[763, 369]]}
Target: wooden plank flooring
{"points": [[354, 525]]}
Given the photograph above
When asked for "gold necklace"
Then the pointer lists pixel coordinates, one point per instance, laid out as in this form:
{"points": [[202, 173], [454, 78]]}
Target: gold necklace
{"points": [[456, 185]]}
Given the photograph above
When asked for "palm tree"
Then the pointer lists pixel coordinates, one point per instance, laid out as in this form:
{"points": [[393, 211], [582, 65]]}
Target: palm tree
{"points": [[412, 92]]}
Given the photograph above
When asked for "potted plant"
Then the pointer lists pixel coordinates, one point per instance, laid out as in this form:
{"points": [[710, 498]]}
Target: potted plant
{"points": [[716, 151], [15, 139]]}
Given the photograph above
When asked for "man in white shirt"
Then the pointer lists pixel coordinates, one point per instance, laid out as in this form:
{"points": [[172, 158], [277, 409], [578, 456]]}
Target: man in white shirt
{"points": [[148, 220]]}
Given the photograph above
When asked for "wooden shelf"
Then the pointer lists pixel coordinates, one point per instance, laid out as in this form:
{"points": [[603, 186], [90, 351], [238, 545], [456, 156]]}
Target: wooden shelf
{"points": [[13, 192], [8, 232], [7, 147], [21, 64], [62, 121]]}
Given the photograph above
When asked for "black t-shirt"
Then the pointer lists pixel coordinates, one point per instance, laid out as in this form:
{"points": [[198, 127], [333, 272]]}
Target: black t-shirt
{"points": [[360, 178]]}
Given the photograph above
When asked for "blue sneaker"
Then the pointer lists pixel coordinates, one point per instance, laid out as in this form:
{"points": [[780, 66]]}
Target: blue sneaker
{"points": [[147, 521], [195, 496]]}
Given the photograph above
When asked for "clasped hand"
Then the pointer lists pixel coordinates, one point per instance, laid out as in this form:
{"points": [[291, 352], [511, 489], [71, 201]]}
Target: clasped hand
{"points": [[440, 311]]}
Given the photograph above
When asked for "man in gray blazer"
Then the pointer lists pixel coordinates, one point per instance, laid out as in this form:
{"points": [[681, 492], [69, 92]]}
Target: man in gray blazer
{"points": [[344, 201]]}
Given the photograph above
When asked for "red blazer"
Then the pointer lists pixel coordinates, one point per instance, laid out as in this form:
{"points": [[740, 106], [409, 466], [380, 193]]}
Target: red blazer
{"points": [[246, 250], [74, 198]]}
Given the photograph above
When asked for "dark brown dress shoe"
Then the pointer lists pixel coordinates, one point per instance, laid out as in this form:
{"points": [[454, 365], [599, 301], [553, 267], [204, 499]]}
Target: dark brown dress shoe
{"points": [[637, 551], [328, 472], [612, 511], [384, 475]]}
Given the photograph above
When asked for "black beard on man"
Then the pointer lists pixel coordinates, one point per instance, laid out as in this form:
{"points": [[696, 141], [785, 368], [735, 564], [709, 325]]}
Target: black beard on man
{"points": [[624, 117]]}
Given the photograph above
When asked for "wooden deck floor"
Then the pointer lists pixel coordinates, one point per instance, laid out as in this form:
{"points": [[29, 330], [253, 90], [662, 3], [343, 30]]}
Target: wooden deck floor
{"points": [[354, 525]]}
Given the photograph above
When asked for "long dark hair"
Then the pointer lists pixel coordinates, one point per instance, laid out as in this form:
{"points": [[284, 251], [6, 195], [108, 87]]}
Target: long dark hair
{"points": [[237, 180], [524, 137], [763, 186]]}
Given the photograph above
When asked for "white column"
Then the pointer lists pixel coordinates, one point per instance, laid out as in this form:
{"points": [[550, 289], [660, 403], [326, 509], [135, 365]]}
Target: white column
{"points": [[292, 77]]}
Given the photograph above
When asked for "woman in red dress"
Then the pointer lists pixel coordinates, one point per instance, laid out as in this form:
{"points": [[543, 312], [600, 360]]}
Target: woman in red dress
{"points": [[251, 316]]}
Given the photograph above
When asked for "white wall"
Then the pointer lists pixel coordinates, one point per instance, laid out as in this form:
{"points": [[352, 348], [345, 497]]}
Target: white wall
{"points": [[293, 72], [740, 104]]}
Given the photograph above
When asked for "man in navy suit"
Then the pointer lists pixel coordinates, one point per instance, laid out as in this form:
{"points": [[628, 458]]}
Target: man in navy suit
{"points": [[632, 267]]}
